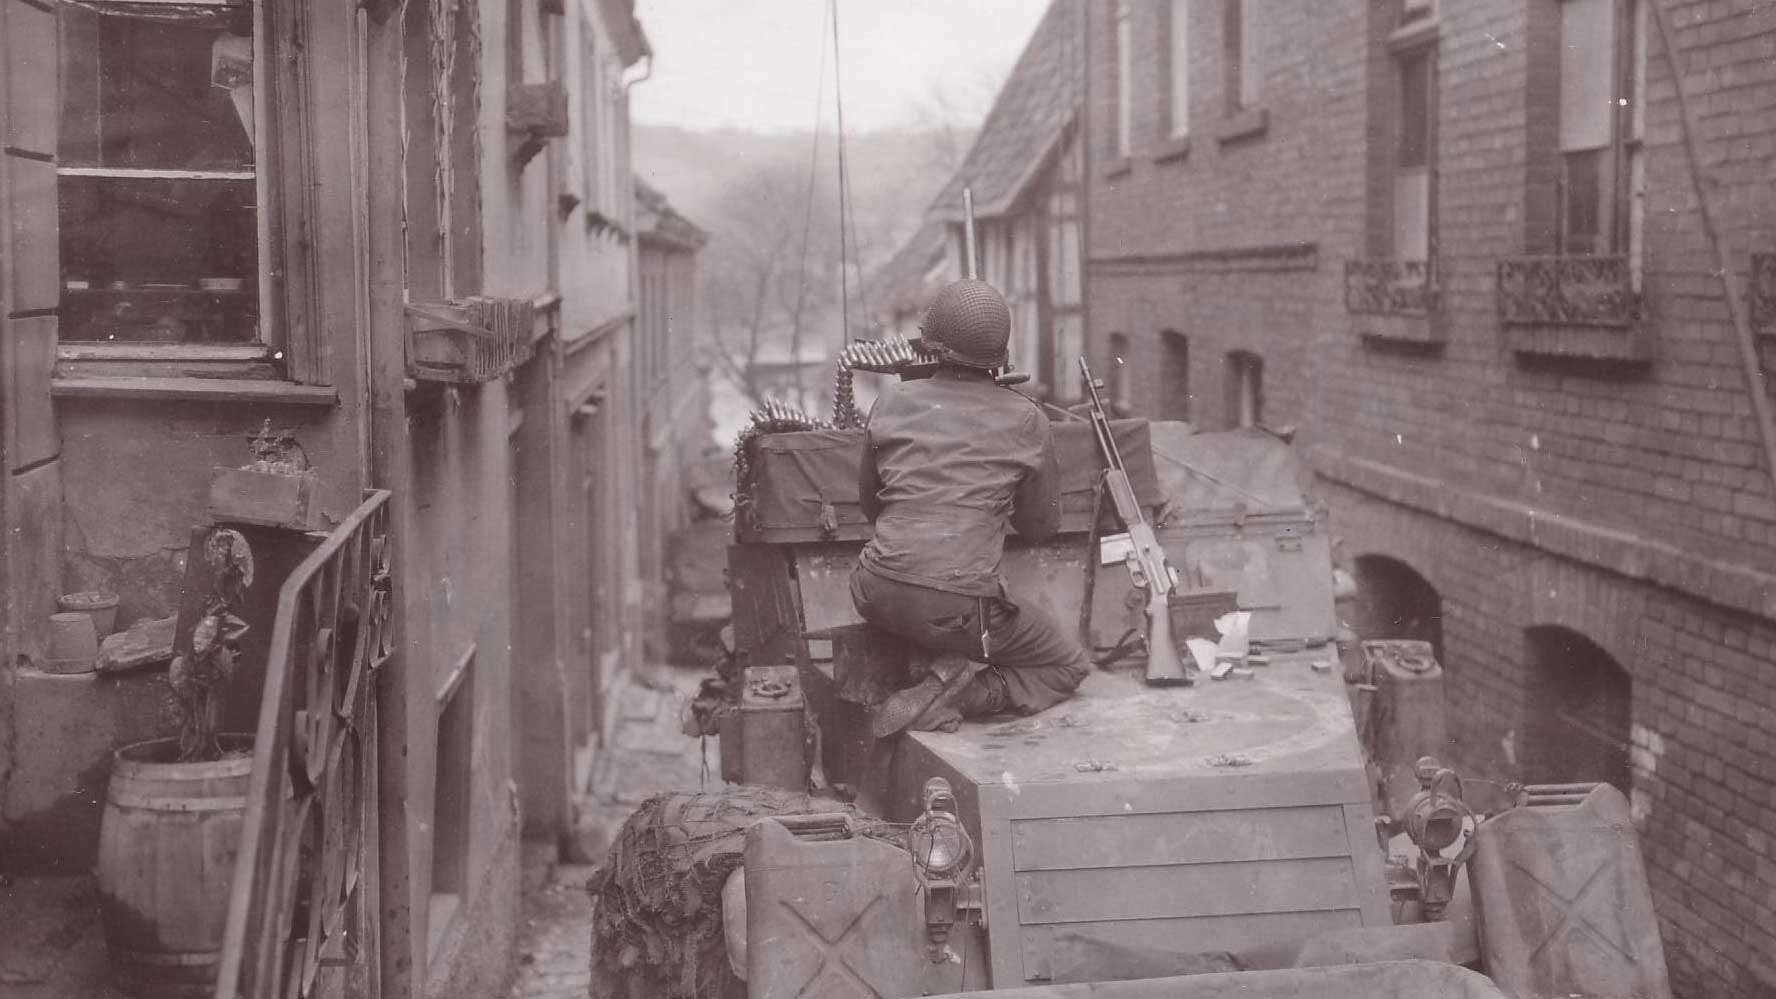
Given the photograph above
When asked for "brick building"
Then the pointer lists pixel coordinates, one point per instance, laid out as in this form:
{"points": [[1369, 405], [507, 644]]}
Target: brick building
{"points": [[1460, 247]]}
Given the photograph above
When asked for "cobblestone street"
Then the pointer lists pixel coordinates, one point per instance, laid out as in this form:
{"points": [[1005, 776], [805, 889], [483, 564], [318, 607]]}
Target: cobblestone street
{"points": [[648, 754]]}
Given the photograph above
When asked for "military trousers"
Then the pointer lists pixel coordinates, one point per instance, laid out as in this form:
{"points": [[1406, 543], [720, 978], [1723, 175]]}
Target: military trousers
{"points": [[1041, 662]]}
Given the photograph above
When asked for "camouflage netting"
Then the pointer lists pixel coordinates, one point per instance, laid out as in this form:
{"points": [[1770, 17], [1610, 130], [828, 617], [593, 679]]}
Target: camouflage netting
{"points": [[656, 932]]}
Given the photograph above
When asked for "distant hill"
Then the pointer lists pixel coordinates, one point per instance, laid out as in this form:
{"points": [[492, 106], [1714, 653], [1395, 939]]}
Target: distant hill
{"points": [[770, 271], [893, 175]]}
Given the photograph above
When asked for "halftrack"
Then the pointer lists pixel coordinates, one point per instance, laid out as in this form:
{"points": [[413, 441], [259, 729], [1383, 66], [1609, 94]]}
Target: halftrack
{"points": [[1232, 838]]}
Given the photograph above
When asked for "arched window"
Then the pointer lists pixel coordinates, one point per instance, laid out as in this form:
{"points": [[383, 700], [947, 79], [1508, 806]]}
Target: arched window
{"points": [[1580, 704], [1244, 394]]}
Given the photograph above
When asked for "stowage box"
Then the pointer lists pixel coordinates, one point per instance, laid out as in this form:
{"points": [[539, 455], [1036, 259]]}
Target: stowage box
{"points": [[1159, 829]]}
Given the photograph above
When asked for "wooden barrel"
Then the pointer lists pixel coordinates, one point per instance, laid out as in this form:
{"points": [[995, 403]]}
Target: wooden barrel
{"points": [[166, 856]]}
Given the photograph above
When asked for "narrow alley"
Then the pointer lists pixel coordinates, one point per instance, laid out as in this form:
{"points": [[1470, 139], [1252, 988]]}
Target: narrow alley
{"points": [[648, 753]]}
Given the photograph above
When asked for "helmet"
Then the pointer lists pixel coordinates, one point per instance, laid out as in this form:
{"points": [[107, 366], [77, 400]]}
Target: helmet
{"points": [[969, 324]]}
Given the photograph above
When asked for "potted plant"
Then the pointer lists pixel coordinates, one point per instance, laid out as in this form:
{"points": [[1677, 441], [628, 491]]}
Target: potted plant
{"points": [[175, 807]]}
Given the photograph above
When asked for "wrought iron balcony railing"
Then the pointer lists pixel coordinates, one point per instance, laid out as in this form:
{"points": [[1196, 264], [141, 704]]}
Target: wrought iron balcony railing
{"points": [[1568, 291], [1762, 298], [301, 900], [1389, 287]]}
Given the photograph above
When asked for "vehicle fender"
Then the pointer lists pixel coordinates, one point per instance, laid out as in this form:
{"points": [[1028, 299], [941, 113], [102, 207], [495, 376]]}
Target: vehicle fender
{"points": [[734, 920]]}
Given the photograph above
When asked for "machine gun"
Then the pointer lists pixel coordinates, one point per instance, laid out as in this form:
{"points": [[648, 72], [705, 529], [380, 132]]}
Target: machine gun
{"points": [[1146, 559]]}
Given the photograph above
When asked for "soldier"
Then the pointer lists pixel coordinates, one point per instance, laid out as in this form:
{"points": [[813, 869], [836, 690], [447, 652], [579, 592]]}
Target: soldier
{"points": [[952, 460]]}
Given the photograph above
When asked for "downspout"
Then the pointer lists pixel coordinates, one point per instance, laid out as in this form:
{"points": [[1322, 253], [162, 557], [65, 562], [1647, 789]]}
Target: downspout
{"points": [[1748, 359], [402, 696]]}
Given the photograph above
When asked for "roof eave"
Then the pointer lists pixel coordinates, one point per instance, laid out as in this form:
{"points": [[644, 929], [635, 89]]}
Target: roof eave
{"points": [[1006, 203]]}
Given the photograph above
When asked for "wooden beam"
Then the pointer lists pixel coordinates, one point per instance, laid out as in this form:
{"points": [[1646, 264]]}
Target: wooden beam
{"points": [[381, 65], [198, 389]]}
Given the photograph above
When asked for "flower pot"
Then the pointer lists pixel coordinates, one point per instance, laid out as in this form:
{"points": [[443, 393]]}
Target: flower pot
{"points": [[100, 606], [167, 844], [73, 643]]}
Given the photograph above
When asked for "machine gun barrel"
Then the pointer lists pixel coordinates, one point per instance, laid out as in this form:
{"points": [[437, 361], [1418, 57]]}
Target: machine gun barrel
{"points": [[1146, 560]]}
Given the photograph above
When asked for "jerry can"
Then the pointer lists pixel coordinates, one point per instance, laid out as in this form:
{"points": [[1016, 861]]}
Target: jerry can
{"points": [[835, 914], [1561, 895], [772, 729]]}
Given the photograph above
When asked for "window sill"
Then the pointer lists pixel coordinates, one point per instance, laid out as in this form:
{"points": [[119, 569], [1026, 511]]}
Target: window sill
{"points": [[1175, 150], [1118, 167], [1422, 330], [80, 386], [1249, 123], [1414, 33], [578, 340], [1625, 345]]}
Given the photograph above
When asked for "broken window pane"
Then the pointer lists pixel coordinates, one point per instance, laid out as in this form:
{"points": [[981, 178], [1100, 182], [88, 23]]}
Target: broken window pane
{"points": [[157, 174]]}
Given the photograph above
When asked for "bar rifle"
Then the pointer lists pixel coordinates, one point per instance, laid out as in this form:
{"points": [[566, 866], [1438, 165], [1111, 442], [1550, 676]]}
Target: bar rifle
{"points": [[1146, 559]]}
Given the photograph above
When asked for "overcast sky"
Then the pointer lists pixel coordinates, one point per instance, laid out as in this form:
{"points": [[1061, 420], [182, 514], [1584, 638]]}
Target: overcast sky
{"points": [[755, 63]]}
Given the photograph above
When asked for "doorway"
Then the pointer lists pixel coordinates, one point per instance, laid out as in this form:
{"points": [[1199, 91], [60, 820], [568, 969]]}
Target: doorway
{"points": [[1394, 601], [1245, 390], [1580, 703], [1174, 376]]}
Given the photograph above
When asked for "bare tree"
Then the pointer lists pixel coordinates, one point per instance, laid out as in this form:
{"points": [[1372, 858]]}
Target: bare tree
{"points": [[767, 272]]}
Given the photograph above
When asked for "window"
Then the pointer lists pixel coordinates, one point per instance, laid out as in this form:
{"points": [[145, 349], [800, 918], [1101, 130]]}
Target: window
{"points": [[1178, 70], [1240, 55], [1173, 402], [1125, 44], [452, 778], [601, 131], [442, 101], [515, 41], [1602, 89], [1245, 390], [1061, 273], [1121, 390], [1412, 157], [159, 183]]}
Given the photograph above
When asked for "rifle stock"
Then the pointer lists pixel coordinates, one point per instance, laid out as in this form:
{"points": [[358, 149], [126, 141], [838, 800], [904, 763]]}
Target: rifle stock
{"points": [[1147, 561]]}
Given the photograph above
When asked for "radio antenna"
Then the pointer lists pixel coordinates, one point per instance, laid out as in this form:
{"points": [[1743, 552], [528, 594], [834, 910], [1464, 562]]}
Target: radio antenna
{"points": [[968, 251]]}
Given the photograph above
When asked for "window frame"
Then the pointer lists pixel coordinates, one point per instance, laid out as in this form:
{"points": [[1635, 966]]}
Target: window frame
{"points": [[1402, 61], [1620, 180], [1176, 95], [1122, 141], [1243, 79], [270, 345]]}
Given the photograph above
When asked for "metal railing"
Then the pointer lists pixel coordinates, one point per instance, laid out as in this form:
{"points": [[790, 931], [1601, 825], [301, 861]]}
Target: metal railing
{"points": [[1389, 287], [1568, 291], [299, 901]]}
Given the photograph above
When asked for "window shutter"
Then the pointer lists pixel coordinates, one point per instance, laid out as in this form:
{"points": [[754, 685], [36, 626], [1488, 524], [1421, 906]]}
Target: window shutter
{"points": [[28, 222]]}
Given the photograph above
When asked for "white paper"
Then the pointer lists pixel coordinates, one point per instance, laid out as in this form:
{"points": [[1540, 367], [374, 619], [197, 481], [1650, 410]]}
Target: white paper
{"points": [[1234, 643], [1203, 651]]}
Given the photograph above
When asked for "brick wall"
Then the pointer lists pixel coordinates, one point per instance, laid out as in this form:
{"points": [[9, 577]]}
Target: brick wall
{"points": [[1623, 500], [1242, 256]]}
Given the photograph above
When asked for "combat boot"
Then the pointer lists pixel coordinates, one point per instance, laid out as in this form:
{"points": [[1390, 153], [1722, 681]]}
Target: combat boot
{"points": [[985, 696], [928, 704]]}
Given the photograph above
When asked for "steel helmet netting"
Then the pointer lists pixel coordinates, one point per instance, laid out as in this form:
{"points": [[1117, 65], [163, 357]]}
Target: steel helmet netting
{"points": [[969, 323]]}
